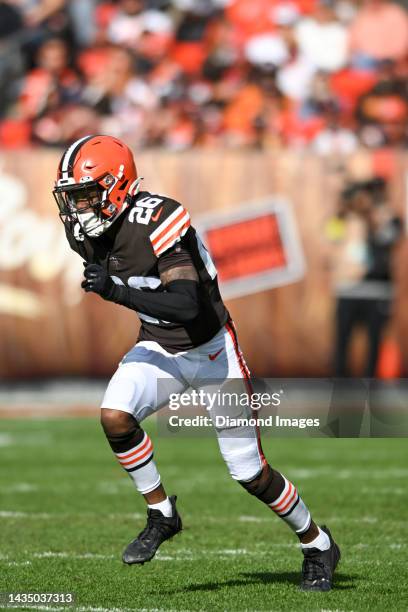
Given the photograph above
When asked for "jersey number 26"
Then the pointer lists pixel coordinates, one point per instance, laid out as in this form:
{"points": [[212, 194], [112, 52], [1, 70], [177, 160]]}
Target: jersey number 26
{"points": [[143, 211]]}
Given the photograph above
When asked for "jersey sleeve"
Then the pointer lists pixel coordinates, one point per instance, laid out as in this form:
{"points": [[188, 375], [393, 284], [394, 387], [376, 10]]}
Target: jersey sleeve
{"points": [[173, 224]]}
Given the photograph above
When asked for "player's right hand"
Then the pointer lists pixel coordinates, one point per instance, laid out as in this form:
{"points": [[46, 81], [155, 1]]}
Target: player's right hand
{"points": [[97, 280]]}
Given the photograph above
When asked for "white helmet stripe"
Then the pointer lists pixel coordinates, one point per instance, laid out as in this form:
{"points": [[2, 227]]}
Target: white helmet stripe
{"points": [[69, 153]]}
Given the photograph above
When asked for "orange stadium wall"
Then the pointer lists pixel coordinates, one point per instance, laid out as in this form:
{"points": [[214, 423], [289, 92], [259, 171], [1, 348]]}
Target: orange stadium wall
{"points": [[48, 327]]}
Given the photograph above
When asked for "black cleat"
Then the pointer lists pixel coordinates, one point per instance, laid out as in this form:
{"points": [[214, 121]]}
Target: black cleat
{"points": [[319, 565], [158, 529]]}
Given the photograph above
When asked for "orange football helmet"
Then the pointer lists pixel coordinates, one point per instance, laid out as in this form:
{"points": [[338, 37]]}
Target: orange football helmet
{"points": [[96, 181]]}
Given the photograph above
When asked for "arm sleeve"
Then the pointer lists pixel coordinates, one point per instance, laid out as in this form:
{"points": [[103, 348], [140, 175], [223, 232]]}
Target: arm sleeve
{"points": [[178, 303]]}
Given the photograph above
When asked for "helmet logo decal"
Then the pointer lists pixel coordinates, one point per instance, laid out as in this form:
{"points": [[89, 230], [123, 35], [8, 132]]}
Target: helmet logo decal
{"points": [[109, 179]]}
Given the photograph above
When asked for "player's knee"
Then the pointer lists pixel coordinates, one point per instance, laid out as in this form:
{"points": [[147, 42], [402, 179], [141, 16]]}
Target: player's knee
{"points": [[121, 430], [116, 422], [266, 485], [241, 457]]}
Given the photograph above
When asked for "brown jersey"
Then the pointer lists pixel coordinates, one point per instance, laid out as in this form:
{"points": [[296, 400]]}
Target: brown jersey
{"points": [[153, 235]]}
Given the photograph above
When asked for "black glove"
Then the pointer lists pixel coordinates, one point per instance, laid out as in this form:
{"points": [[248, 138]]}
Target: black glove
{"points": [[98, 280]]}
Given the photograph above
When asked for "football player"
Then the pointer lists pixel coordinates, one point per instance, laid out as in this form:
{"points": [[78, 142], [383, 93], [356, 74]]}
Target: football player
{"points": [[141, 251]]}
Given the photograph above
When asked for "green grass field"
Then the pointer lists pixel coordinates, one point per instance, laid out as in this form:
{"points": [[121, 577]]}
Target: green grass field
{"points": [[67, 511]]}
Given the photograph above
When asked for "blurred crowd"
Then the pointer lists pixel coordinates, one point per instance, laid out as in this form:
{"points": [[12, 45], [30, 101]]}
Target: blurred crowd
{"points": [[329, 75]]}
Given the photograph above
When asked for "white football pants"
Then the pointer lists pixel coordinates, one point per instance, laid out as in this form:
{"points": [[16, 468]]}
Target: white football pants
{"points": [[148, 374]]}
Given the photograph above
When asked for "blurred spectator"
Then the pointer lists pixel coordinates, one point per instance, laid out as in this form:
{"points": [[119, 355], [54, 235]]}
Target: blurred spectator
{"points": [[383, 111], [295, 77], [322, 39], [51, 83], [335, 138], [124, 101], [364, 234], [379, 31], [132, 20], [49, 95]]}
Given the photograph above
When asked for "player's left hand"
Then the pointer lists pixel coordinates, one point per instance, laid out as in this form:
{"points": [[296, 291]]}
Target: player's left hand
{"points": [[97, 280]]}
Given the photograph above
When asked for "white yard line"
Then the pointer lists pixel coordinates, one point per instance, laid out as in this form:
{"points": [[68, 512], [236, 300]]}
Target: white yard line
{"points": [[24, 515], [129, 515], [17, 563], [66, 555], [19, 487]]}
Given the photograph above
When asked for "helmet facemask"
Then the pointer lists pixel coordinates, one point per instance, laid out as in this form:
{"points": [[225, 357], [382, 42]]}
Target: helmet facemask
{"points": [[88, 204]]}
